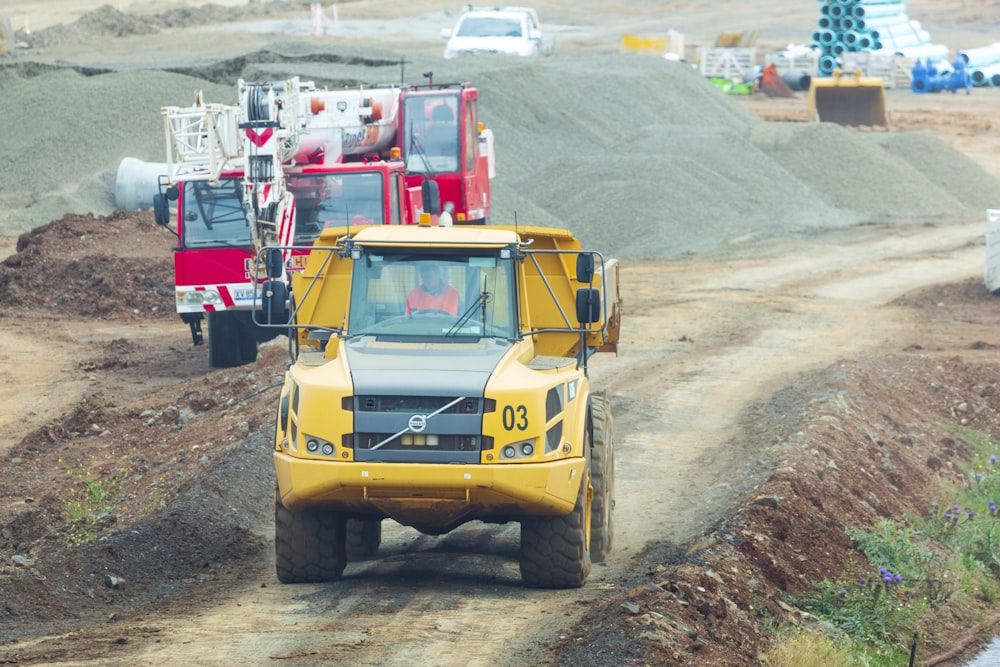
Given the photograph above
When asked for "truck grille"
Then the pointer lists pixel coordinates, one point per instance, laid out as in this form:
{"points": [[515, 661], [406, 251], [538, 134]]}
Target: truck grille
{"points": [[416, 442], [418, 404], [418, 429]]}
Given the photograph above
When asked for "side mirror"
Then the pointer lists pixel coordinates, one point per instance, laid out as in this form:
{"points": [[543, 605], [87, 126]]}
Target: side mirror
{"points": [[430, 196], [588, 305], [585, 267], [274, 263], [161, 210]]}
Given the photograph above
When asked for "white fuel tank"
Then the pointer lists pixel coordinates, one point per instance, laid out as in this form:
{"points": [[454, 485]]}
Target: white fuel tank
{"points": [[136, 182]]}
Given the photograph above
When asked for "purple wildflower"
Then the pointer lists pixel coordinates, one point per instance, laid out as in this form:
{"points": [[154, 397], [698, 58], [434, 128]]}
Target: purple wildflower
{"points": [[993, 458], [971, 514], [841, 592], [898, 578]]}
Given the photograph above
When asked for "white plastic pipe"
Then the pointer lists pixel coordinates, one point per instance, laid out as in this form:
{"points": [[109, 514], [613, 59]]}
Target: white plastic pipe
{"points": [[924, 51], [891, 19], [900, 39], [874, 11], [984, 75], [983, 55]]}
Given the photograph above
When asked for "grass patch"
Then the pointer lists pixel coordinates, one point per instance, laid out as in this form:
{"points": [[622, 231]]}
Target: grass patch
{"points": [[915, 565]]}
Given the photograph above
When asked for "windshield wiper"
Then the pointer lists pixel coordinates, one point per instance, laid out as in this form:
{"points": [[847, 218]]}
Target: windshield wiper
{"points": [[481, 302], [416, 147]]}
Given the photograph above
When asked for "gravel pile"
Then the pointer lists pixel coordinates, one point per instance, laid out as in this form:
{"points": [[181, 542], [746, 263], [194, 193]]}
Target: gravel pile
{"points": [[67, 132], [641, 157]]}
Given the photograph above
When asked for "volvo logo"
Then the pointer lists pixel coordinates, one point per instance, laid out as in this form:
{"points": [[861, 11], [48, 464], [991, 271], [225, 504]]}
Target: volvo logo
{"points": [[417, 423]]}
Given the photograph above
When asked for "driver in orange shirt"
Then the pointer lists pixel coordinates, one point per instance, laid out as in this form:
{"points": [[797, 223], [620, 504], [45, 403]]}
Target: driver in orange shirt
{"points": [[433, 294]]}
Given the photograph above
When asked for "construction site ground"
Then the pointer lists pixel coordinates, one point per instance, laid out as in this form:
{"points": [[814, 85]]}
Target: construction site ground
{"points": [[766, 397]]}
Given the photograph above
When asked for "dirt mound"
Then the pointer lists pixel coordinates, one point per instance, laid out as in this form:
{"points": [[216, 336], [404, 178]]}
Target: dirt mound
{"points": [[89, 266], [174, 467], [872, 442]]}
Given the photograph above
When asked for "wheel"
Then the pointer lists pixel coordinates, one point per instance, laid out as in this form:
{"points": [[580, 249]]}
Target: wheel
{"points": [[602, 479], [363, 538], [232, 339], [309, 546], [554, 549]]}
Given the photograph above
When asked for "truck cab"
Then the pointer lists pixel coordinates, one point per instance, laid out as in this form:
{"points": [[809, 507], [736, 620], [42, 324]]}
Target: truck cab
{"points": [[443, 140]]}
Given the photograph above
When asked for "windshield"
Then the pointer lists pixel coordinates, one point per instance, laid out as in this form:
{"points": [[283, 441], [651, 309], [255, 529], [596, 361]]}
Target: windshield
{"points": [[484, 26], [327, 200], [423, 295], [213, 214], [430, 138]]}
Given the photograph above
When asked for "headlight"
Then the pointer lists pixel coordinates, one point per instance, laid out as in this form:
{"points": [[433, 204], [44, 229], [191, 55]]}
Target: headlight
{"points": [[316, 445], [518, 450], [198, 297]]}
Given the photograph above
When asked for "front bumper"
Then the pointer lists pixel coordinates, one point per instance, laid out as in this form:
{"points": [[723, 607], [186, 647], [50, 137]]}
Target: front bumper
{"points": [[430, 497]]}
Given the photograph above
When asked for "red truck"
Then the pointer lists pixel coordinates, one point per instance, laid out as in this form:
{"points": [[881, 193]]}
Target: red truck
{"points": [[291, 159]]}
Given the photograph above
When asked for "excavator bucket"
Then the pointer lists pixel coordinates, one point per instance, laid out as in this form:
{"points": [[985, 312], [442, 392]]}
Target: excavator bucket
{"points": [[773, 85], [848, 99]]}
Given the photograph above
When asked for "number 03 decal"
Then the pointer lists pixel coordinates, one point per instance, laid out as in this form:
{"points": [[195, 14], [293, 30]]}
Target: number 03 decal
{"points": [[515, 417]]}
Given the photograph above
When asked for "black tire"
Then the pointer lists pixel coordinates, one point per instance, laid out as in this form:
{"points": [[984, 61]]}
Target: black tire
{"points": [[602, 479], [364, 536], [554, 549], [309, 546], [232, 339]]}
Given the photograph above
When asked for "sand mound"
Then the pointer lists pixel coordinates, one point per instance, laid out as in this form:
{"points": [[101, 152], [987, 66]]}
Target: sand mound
{"points": [[639, 156]]}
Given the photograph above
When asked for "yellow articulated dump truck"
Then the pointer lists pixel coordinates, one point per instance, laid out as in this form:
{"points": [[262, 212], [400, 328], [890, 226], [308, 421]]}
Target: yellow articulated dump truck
{"points": [[439, 376]]}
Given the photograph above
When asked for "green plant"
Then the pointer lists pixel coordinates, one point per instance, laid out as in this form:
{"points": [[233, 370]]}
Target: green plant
{"points": [[907, 554], [85, 506], [878, 607], [970, 524], [872, 610]]}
